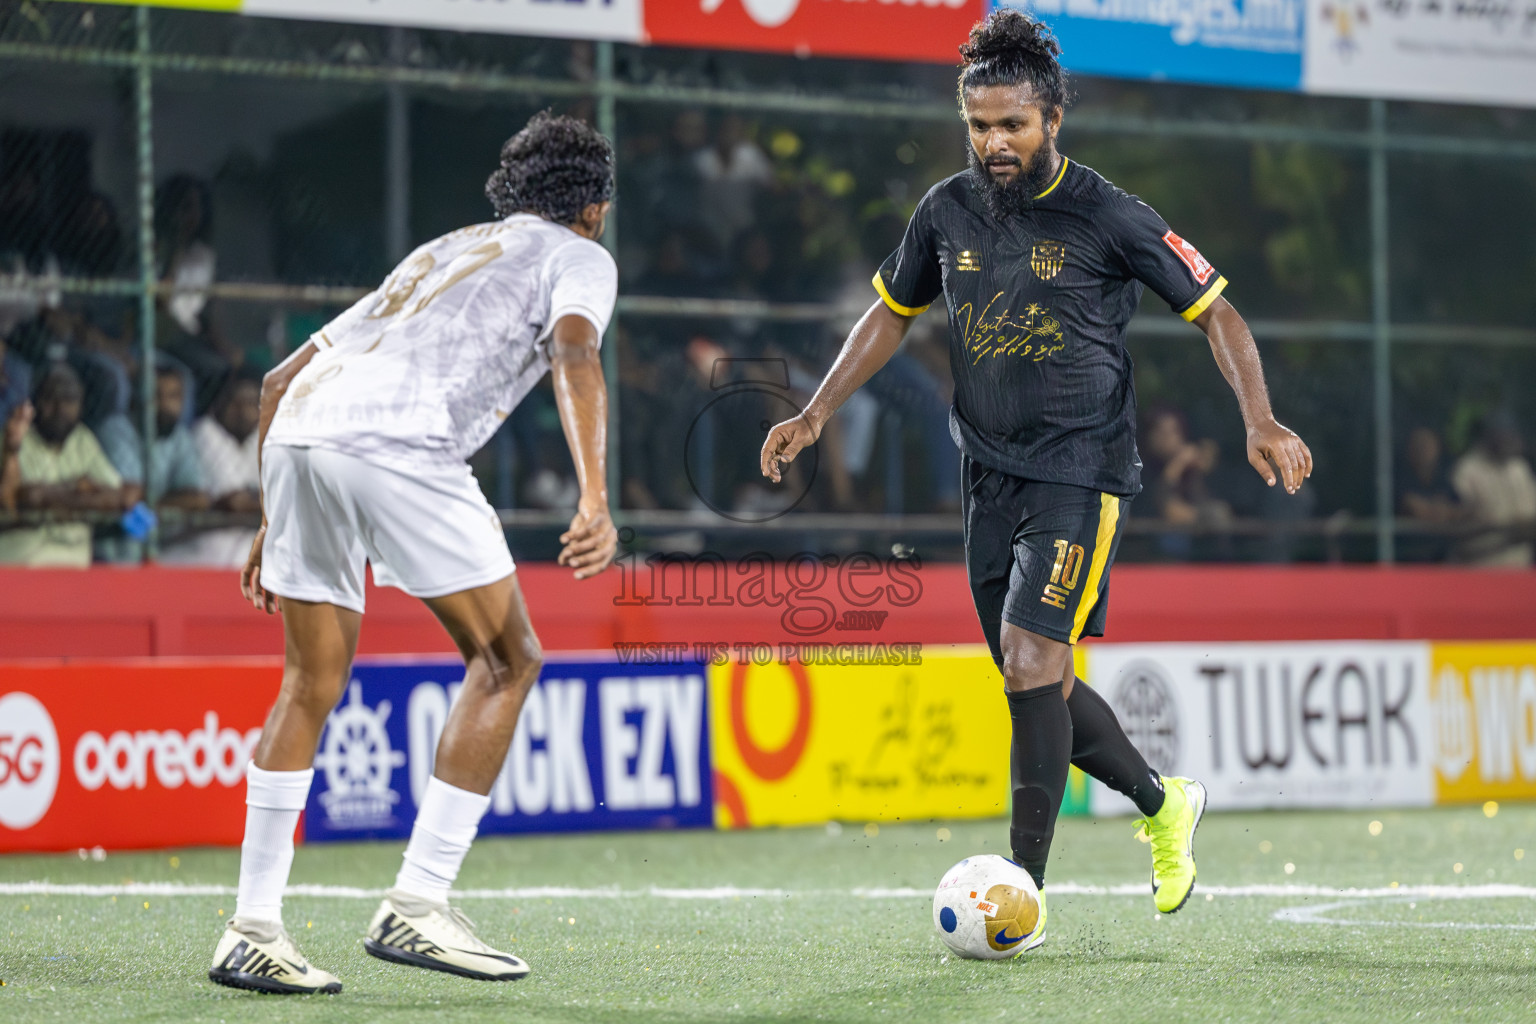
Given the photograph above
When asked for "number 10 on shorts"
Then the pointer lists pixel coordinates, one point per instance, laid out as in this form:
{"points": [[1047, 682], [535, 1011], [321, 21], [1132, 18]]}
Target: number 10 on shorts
{"points": [[1069, 564]]}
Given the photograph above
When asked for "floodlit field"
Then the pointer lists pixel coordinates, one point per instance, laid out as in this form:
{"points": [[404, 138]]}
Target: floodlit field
{"points": [[1316, 916]]}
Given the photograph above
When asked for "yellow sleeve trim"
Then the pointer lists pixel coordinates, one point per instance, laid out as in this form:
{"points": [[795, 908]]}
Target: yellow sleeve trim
{"points": [[1205, 300], [1059, 175], [898, 307]]}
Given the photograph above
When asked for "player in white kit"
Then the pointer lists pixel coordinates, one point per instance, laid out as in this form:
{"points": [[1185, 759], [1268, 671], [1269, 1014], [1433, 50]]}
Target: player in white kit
{"points": [[365, 433]]}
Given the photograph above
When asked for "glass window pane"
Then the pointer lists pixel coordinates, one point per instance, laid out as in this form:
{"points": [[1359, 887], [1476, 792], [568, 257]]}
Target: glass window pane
{"points": [[294, 172], [1222, 510], [1501, 123], [1285, 223], [102, 26], [455, 144], [1464, 414], [1463, 252]]}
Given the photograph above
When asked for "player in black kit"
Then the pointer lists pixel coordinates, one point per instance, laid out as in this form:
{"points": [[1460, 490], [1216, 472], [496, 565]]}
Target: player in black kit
{"points": [[1042, 263]]}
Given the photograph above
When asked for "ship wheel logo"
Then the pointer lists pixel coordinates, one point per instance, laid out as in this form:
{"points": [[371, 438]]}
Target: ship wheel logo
{"points": [[358, 762]]}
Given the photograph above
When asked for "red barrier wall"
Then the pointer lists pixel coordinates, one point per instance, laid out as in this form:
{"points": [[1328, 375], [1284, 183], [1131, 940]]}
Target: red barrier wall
{"points": [[114, 612]]}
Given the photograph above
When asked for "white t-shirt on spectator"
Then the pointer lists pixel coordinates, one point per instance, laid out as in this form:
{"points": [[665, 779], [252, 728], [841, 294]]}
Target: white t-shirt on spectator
{"points": [[423, 370], [229, 465]]}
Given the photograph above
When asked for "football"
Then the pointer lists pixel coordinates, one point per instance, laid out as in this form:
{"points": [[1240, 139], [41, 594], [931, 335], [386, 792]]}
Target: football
{"points": [[987, 908]]}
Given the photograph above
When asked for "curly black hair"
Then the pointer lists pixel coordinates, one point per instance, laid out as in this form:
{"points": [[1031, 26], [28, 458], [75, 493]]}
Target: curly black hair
{"points": [[1011, 48], [555, 167]]}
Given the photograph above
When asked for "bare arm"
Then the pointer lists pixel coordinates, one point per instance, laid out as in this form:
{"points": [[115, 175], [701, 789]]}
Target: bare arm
{"points": [[15, 429], [582, 398], [870, 345], [273, 387], [1268, 441]]}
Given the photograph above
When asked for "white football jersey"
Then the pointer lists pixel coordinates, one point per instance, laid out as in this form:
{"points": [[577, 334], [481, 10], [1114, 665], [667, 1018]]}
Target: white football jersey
{"points": [[425, 368]]}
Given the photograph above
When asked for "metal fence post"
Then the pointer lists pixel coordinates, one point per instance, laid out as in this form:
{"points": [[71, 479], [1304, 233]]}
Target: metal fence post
{"points": [[1381, 335], [397, 158], [147, 269], [608, 124]]}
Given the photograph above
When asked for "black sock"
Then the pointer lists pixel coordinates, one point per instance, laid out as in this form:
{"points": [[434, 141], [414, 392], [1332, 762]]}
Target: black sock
{"points": [[1101, 748], [1042, 753]]}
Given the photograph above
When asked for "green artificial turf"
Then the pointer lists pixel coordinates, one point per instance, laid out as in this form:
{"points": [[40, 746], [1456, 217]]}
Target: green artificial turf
{"points": [[820, 945]]}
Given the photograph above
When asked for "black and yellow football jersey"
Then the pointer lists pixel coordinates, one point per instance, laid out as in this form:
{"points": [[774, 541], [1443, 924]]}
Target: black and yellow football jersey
{"points": [[1039, 304]]}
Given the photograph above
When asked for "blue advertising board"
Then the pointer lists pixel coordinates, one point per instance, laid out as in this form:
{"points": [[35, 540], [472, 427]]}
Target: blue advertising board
{"points": [[1254, 43], [598, 746]]}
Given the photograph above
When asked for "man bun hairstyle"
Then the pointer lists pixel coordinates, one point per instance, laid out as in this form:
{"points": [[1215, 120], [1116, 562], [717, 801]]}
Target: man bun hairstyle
{"points": [[1011, 48], [555, 167]]}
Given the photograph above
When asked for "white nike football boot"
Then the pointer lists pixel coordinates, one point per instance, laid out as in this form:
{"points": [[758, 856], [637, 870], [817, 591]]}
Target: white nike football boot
{"points": [[417, 932], [259, 956]]}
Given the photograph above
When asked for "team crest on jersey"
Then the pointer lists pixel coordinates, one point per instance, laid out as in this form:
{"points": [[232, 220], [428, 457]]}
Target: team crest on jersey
{"points": [[1197, 264], [1047, 258], [967, 260]]}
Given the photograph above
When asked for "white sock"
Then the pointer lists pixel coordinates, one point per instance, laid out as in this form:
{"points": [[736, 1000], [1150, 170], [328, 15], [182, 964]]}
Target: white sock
{"points": [[445, 827], [273, 801]]}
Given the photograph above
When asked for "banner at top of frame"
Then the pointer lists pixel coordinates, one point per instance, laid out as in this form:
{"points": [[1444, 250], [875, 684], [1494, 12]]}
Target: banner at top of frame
{"points": [[617, 20], [1254, 43], [917, 30], [1446, 51]]}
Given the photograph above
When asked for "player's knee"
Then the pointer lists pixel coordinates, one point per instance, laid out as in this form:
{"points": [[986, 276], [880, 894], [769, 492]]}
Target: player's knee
{"points": [[512, 663], [1027, 666], [316, 693]]}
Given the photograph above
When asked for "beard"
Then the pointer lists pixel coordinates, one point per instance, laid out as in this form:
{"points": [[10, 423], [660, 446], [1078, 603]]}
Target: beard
{"points": [[1008, 198]]}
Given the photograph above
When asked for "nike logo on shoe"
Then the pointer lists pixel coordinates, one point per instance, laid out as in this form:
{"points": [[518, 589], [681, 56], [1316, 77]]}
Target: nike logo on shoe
{"points": [[248, 960]]}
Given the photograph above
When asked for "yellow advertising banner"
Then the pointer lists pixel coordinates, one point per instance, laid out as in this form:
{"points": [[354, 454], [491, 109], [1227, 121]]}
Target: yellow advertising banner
{"points": [[1482, 700], [800, 744]]}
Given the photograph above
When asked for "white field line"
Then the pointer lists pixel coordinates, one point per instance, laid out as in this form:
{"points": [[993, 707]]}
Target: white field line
{"points": [[1322, 913], [1139, 889]]}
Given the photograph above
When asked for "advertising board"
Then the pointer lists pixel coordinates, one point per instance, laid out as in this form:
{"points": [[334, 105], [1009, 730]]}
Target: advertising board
{"points": [[1457, 52], [1337, 724], [925, 30], [1483, 702], [798, 744], [578, 19], [127, 755], [597, 747], [1255, 43]]}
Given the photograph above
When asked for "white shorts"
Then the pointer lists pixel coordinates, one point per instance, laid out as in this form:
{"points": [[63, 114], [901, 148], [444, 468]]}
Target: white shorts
{"points": [[428, 532]]}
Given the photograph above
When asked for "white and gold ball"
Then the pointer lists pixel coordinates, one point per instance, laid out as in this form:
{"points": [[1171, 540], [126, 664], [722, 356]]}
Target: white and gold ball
{"points": [[986, 908]]}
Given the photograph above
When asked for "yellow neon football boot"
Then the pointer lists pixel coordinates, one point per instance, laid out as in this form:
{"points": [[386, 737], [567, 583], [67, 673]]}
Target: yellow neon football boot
{"points": [[1038, 939], [1171, 831]]}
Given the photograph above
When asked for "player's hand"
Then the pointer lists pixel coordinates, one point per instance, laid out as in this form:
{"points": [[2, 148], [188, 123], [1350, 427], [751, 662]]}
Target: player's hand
{"points": [[1273, 443], [591, 542], [250, 578], [785, 441]]}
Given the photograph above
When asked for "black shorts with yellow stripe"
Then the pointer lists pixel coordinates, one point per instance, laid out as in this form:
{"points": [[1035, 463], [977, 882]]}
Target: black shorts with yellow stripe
{"points": [[1038, 554]]}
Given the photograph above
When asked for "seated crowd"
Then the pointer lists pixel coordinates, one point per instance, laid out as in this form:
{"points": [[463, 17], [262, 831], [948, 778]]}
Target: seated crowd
{"points": [[711, 212], [56, 466]]}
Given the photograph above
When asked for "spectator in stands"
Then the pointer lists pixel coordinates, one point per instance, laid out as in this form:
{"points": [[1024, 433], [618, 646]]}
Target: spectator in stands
{"points": [[733, 170], [15, 425], [187, 262], [24, 225], [15, 381], [226, 443], [1425, 496], [1175, 475], [58, 467], [175, 479], [1494, 482]]}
